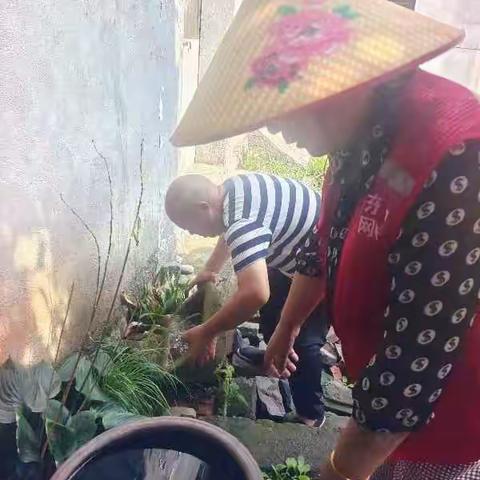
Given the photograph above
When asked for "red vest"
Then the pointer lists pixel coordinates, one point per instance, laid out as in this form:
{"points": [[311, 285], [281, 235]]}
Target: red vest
{"points": [[436, 115]]}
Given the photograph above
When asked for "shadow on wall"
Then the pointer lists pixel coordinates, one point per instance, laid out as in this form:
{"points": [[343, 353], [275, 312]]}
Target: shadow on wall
{"points": [[87, 70]]}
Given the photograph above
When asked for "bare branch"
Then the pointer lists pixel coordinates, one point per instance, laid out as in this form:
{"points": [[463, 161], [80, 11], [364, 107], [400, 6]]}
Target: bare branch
{"points": [[122, 272]]}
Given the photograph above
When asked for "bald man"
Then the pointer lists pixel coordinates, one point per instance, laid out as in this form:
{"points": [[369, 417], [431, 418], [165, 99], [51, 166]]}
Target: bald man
{"points": [[262, 221]]}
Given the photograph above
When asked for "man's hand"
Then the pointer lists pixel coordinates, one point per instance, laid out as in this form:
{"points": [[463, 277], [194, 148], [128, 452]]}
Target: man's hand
{"points": [[280, 357], [203, 277], [202, 345]]}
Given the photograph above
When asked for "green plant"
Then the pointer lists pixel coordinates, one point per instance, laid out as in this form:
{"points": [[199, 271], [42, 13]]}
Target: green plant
{"points": [[27, 398], [228, 392], [159, 297], [260, 160], [292, 469], [134, 382]]}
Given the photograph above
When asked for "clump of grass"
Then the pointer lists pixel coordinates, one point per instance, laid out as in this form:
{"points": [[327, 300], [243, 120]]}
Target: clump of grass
{"points": [[260, 160], [132, 380]]}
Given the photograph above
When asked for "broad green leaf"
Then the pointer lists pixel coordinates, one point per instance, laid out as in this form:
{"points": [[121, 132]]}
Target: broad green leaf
{"points": [[113, 416], [61, 441], [56, 412], [84, 427], [103, 362], [66, 369], [10, 394], [29, 442], [32, 386], [85, 381], [304, 477], [291, 463]]}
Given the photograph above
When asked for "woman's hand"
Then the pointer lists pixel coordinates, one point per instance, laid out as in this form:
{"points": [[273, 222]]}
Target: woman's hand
{"points": [[202, 345], [280, 357]]}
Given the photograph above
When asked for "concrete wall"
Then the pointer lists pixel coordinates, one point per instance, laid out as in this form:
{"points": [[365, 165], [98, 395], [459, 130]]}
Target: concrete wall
{"points": [[461, 64], [72, 72]]}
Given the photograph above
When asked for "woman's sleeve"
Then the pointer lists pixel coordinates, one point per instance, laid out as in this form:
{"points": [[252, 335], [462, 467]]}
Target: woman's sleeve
{"points": [[435, 283], [308, 256]]}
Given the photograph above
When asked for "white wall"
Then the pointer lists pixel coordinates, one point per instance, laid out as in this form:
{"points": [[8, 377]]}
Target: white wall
{"points": [[461, 64], [72, 72]]}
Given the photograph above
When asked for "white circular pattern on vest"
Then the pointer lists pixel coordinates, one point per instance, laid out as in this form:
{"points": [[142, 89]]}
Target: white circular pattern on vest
{"points": [[377, 131], [452, 344], [420, 364], [410, 421], [413, 268], [458, 150], [476, 227], [365, 383], [404, 413], [473, 256], [435, 396], [372, 361], [393, 352], [425, 210], [402, 325], [440, 278], [430, 418], [448, 248], [387, 379], [393, 284], [459, 316], [360, 417], [386, 313], [455, 217], [472, 321], [412, 390], [407, 296], [459, 185], [382, 430], [393, 258], [444, 371], [433, 308], [426, 337], [365, 157], [466, 287], [379, 403], [420, 239], [431, 180]]}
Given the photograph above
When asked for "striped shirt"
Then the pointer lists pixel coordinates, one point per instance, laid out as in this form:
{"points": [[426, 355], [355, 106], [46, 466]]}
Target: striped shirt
{"points": [[267, 217]]}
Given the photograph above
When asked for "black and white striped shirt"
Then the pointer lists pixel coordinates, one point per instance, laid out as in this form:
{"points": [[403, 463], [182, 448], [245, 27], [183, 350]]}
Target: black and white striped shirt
{"points": [[267, 217]]}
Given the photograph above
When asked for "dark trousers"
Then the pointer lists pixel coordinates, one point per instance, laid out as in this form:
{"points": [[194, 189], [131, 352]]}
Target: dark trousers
{"points": [[305, 383]]}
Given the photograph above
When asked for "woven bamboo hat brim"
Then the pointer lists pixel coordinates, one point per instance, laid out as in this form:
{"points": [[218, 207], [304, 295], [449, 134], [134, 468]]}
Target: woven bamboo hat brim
{"points": [[279, 56]]}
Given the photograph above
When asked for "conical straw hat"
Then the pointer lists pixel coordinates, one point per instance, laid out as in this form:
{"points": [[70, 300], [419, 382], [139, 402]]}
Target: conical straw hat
{"points": [[282, 55]]}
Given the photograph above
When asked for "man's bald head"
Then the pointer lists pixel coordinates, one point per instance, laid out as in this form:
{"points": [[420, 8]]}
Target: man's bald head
{"points": [[194, 203]]}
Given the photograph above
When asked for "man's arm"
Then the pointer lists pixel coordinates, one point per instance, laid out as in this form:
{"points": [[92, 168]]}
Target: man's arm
{"points": [[214, 264], [252, 293]]}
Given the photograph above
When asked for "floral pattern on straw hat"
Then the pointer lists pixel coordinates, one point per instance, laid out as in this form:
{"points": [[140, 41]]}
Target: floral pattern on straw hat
{"points": [[299, 34]]}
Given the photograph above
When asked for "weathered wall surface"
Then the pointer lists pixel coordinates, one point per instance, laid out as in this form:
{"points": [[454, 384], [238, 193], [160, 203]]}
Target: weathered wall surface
{"points": [[73, 72], [461, 64]]}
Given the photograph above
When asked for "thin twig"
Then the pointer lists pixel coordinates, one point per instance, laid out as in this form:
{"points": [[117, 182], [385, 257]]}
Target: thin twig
{"points": [[57, 354], [120, 279], [94, 305], [110, 235], [92, 234]]}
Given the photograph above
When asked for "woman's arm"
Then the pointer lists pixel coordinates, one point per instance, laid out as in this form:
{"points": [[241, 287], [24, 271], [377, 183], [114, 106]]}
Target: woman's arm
{"points": [[433, 299], [304, 296]]}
